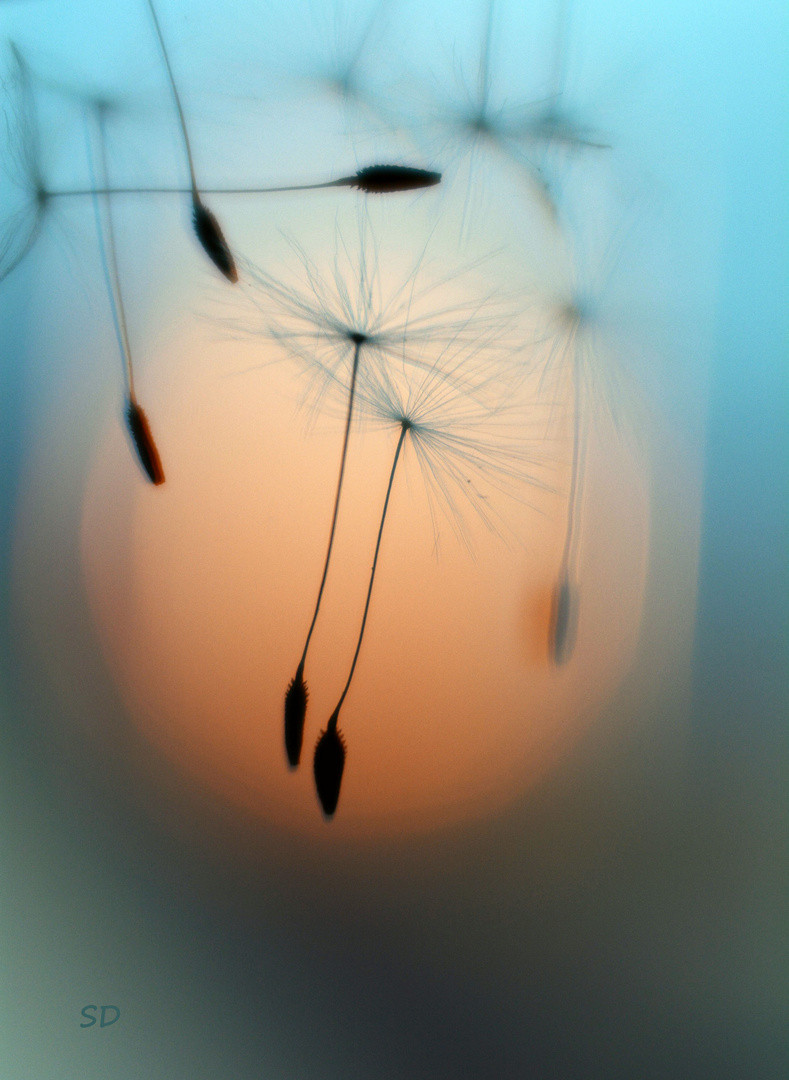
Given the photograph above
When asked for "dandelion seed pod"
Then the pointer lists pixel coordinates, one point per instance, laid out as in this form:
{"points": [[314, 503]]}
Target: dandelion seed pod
{"points": [[386, 179], [213, 241], [143, 441], [564, 621], [295, 712], [328, 766]]}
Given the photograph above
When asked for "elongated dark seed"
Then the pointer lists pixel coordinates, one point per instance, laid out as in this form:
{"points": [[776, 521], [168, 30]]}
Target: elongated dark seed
{"points": [[384, 179], [328, 766], [143, 440], [564, 621], [212, 240], [295, 711]]}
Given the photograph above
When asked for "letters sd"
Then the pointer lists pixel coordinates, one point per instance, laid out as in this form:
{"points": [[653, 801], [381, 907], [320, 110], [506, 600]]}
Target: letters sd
{"points": [[104, 1010]]}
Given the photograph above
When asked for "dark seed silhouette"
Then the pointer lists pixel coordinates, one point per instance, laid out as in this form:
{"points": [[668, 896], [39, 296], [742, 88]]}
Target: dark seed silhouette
{"points": [[384, 179], [143, 440], [330, 751], [295, 712], [205, 224], [373, 179], [564, 621], [212, 240], [328, 765], [297, 693], [136, 419]]}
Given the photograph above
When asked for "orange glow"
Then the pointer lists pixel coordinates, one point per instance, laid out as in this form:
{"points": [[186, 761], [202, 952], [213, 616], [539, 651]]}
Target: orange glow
{"points": [[202, 591], [537, 612]]}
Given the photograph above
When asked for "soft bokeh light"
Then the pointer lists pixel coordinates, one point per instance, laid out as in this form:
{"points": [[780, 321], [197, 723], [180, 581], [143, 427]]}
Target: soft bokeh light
{"points": [[540, 864], [202, 598]]}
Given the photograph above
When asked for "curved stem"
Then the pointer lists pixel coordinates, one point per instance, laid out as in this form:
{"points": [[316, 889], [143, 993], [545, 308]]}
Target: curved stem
{"points": [[575, 478], [403, 432], [177, 100], [560, 50], [351, 394], [344, 181], [484, 63], [114, 276]]}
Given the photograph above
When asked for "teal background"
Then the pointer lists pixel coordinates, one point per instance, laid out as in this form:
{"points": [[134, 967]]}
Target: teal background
{"points": [[628, 917]]}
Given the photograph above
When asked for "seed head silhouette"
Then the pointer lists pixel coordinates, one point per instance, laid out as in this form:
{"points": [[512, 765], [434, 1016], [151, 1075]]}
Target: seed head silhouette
{"points": [[383, 179], [206, 226], [372, 180], [212, 238], [328, 764], [340, 320], [295, 713], [143, 440], [136, 420], [458, 444]]}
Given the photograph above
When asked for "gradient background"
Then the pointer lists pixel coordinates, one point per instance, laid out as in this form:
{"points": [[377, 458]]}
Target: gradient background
{"points": [[591, 883]]}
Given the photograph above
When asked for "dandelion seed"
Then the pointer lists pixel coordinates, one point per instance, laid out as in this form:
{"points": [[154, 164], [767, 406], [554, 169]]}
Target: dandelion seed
{"points": [[23, 229], [328, 765], [143, 440], [382, 179], [579, 355], [318, 320], [522, 133], [206, 226], [322, 325], [475, 124], [296, 697], [136, 419], [295, 713], [211, 237], [373, 180], [565, 611], [465, 427], [329, 759], [452, 434]]}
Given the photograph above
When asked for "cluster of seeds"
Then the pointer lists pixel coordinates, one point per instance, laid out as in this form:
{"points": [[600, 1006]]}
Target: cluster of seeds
{"points": [[439, 382]]}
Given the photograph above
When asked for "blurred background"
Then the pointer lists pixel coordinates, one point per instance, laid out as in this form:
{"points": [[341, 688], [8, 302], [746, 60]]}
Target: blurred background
{"points": [[535, 869]]}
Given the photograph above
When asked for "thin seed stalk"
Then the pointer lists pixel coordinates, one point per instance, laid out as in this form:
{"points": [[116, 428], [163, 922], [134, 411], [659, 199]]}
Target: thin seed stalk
{"points": [[297, 694], [136, 420], [351, 396], [203, 191], [328, 761], [564, 613], [575, 467], [205, 224], [374, 179], [115, 280], [405, 428], [176, 98]]}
